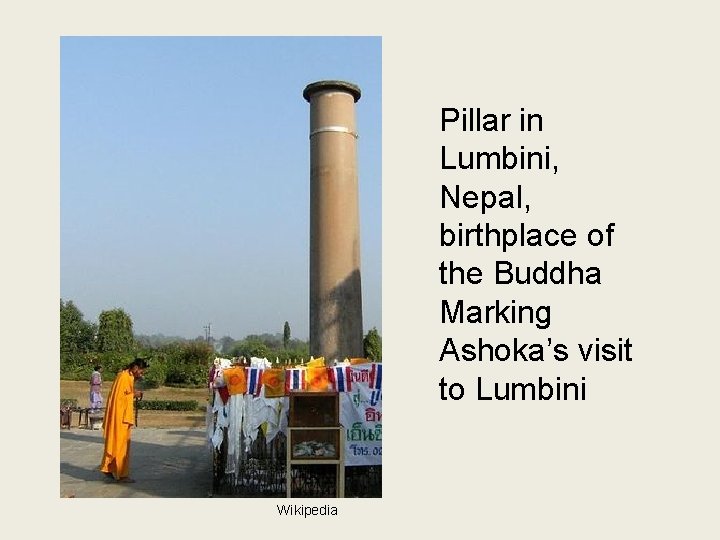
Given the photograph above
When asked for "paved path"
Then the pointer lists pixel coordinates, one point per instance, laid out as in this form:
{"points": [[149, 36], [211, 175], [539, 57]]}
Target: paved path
{"points": [[164, 462]]}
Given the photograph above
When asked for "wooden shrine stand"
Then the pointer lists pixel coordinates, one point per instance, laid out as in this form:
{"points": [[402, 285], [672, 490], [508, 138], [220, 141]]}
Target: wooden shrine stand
{"points": [[315, 436]]}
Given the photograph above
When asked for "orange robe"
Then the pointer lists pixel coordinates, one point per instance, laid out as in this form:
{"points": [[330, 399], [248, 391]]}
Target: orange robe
{"points": [[119, 418]]}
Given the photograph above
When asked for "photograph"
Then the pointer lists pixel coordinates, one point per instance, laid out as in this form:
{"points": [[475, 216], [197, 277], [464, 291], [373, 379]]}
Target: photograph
{"points": [[220, 267]]}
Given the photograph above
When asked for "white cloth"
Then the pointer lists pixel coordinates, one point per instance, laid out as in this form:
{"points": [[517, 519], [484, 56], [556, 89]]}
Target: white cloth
{"points": [[221, 420], [279, 421], [236, 409], [260, 362]]}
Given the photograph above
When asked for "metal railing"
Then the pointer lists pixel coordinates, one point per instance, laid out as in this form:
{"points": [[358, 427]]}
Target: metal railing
{"points": [[261, 472]]}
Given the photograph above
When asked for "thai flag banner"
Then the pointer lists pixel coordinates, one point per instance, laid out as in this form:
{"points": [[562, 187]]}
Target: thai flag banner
{"points": [[376, 376], [254, 380], [341, 378], [294, 379]]}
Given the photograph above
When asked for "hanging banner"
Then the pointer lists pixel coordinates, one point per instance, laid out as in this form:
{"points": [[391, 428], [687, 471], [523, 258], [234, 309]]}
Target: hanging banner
{"points": [[361, 416], [360, 393]]}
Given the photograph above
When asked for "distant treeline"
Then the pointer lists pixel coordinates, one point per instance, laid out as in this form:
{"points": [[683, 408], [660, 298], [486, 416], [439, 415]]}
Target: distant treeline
{"points": [[173, 360], [251, 345]]}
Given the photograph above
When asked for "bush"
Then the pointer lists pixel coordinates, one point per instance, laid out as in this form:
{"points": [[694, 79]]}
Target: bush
{"points": [[167, 405], [185, 385], [181, 364], [77, 366], [176, 364], [155, 375], [186, 374], [112, 363]]}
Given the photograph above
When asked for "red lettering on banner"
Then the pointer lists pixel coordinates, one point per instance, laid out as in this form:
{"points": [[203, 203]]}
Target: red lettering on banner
{"points": [[360, 376]]}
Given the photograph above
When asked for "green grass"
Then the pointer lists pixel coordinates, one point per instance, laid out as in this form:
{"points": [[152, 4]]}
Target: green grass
{"points": [[80, 390]]}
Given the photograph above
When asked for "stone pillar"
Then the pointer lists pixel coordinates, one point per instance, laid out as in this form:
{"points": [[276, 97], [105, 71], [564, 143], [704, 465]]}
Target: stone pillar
{"points": [[336, 328]]}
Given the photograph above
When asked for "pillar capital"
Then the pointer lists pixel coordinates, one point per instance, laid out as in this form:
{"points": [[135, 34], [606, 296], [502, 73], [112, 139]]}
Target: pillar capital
{"points": [[329, 86]]}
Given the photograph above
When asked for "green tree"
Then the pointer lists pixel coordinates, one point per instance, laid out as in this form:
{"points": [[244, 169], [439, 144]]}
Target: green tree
{"points": [[188, 363], [76, 334], [286, 335], [115, 331], [372, 345], [198, 353], [251, 346], [226, 343]]}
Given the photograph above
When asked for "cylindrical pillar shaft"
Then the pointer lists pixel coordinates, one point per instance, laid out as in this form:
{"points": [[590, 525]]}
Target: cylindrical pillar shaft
{"points": [[336, 328]]}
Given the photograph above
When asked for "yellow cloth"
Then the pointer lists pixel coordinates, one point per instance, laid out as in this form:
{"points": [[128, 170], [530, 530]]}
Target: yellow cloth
{"points": [[316, 362], [274, 382], [317, 379], [235, 380], [119, 418]]}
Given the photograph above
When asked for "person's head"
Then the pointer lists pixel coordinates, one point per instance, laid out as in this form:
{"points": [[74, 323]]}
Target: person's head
{"points": [[97, 367], [137, 367]]}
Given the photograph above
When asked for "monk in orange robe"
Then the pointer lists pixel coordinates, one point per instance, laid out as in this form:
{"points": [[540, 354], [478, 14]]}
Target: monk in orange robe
{"points": [[119, 419]]}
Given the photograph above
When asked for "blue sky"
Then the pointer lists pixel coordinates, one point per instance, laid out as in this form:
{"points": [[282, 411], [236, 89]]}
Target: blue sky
{"points": [[185, 178]]}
